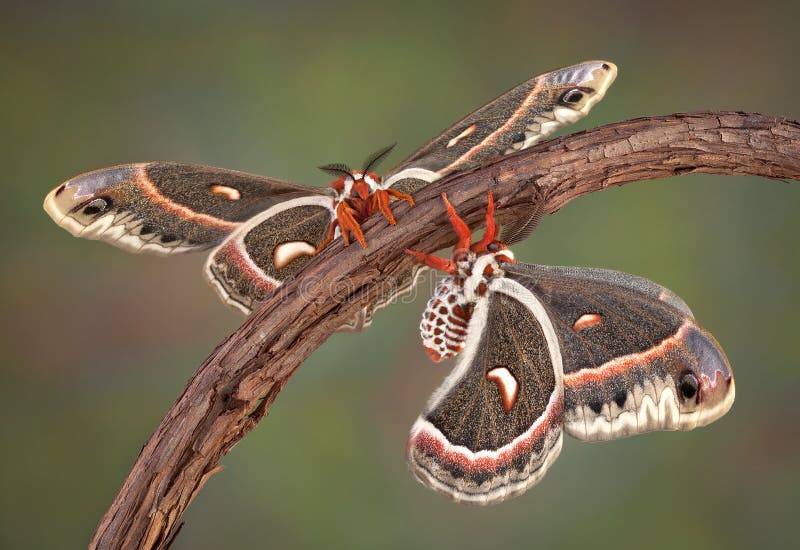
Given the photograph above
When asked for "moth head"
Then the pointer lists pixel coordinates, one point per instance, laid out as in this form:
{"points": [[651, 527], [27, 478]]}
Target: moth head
{"points": [[352, 183], [364, 184], [82, 200], [705, 388], [576, 89], [357, 183], [466, 253]]}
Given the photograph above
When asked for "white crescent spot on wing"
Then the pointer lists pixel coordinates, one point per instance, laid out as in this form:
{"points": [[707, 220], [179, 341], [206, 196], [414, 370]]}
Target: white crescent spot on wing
{"points": [[236, 240], [587, 320], [286, 252], [506, 384], [228, 192], [461, 136]]}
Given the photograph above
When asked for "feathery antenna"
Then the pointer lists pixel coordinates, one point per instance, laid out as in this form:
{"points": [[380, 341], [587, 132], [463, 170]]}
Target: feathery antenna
{"points": [[337, 169], [375, 158]]}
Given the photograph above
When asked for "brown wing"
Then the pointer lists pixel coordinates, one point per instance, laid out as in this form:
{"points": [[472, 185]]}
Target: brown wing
{"points": [[164, 207], [515, 120]]}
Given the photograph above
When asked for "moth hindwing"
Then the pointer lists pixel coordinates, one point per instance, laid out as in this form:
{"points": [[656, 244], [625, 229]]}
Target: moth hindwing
{"points": [[266, 230], [596, 353]]}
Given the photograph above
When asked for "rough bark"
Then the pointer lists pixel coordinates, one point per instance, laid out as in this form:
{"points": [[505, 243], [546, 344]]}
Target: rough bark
{"points": [[234, 387]]}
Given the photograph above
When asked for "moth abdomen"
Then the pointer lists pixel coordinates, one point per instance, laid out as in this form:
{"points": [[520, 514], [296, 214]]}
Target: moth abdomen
{"points": [[444, 323]]}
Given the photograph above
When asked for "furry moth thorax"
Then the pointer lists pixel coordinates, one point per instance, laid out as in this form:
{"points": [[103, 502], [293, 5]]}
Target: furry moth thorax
{"points": [[473, 266], [357, 195]]}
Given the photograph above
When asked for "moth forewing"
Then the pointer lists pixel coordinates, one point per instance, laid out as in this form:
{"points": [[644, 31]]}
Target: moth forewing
{"points": [[164, 207], [515, 120]]}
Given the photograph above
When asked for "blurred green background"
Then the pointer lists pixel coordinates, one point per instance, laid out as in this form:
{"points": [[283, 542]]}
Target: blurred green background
{"points": [[97, 343]]}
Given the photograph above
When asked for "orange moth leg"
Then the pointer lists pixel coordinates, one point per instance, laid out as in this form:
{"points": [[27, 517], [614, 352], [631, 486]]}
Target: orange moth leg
{"points": [[433, 261], [349, 224], [380, 201], [491, 228], [398, 195], [461, 228], [329, 237]]}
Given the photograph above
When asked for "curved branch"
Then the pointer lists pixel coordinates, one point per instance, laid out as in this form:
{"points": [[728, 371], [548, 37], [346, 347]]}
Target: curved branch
{"points": [[234, 387]]}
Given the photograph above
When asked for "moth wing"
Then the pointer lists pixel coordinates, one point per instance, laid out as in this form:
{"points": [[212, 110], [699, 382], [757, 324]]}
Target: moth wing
{"points": [[494, 426], [515, 120], [268, 249], [634, 358], [164, 207]]}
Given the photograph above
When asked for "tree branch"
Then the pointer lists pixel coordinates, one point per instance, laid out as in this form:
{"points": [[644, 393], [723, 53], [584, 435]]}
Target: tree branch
{"points": [[234, 387]]}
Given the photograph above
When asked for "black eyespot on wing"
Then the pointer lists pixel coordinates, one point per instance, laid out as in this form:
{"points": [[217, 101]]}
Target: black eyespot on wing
{"points": [[620, 397], [688, 385], [572, 96], [97, 206], [147, 229]]}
